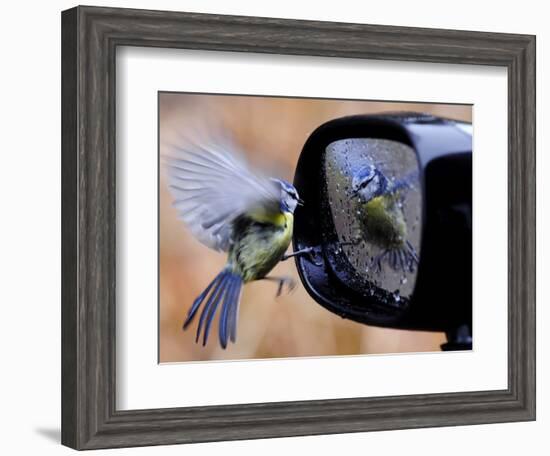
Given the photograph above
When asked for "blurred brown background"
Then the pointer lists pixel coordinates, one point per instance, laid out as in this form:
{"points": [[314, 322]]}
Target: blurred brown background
{"points": [[272, 131]]}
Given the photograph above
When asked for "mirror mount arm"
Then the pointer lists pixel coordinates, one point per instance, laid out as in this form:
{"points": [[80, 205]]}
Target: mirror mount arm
{"points": [[458, 339]]}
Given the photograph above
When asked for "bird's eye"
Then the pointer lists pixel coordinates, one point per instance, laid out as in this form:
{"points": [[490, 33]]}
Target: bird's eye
{"points": [[366, 182]]}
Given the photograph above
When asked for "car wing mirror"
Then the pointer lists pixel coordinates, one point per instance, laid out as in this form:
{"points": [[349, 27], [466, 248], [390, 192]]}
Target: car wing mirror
{"points": [[388, 214]]}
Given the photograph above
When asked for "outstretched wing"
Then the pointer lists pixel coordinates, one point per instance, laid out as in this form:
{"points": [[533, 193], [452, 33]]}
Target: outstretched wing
{"points": [[211, 185]]}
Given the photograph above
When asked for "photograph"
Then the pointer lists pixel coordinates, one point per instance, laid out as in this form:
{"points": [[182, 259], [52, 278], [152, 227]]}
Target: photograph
{"points": [[246, 182], [279, 224]]}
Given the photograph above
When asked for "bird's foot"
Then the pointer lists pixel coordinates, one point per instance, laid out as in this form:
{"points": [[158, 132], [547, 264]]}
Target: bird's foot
{"points": [[282, 281], [310, 252], [289, 282]]}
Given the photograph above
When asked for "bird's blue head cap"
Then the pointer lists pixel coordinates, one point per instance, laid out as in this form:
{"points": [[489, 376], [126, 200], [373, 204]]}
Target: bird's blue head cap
{"points": [[289, 196], [369, 182]]}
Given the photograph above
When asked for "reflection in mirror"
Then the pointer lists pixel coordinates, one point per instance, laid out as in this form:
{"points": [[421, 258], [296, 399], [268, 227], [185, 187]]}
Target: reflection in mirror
{"points": [[375, 201]]}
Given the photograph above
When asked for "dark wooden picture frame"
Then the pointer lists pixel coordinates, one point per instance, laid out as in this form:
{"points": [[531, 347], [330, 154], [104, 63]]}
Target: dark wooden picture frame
{"points": [[90, 37]]}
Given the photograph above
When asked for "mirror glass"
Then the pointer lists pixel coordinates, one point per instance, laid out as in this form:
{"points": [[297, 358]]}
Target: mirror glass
{"points": [[375, 201]]}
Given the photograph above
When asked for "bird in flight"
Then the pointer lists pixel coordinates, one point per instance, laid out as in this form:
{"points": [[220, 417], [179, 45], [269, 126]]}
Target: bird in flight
{"points": [[380, 203], [230, 207]]}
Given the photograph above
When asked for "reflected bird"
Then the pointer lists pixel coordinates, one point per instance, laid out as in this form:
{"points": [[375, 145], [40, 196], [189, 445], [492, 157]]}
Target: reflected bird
{"points": [[231, 208], [380, 205]]}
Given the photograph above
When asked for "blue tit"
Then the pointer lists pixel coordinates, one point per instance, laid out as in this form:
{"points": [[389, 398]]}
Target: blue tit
{"points": [[231, 208], [380, 207]]}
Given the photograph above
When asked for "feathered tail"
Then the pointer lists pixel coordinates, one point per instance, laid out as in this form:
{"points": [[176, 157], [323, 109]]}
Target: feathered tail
{"points": [[226, 289], [403, 259]]}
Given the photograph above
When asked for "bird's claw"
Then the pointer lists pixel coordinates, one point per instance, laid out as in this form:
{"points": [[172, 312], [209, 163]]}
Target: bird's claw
{"points": [[312, 256], [289, 281], [310, 252]]}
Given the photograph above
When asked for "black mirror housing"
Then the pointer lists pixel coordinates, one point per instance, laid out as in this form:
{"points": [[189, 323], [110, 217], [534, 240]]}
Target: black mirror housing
{"points": [[442, 296]]}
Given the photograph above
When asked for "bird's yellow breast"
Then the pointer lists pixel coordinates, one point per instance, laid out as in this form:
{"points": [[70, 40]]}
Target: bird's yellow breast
{"points": [[260, 244], [287, 223], [284, 220], [277, 218], [385, 222]]}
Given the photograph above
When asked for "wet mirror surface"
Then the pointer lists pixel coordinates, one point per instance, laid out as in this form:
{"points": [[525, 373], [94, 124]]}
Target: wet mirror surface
{"points": [[375, 201]]}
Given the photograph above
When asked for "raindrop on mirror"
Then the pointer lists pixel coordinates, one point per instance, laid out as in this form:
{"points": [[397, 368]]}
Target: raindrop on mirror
{"points": [[375, 202]]}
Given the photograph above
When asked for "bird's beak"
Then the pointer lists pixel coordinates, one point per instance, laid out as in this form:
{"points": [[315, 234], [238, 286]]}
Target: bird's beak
{"points": [[300, 202]]}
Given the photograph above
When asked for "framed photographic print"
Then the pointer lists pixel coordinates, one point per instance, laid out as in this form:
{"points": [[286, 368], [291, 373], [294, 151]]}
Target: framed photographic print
{"points": [[278, 228]]}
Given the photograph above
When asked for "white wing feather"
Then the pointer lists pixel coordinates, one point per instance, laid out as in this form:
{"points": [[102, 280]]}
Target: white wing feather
{"points": [[211, 185]]}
